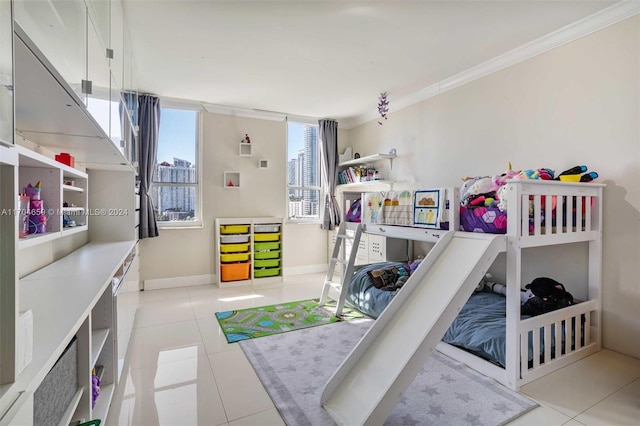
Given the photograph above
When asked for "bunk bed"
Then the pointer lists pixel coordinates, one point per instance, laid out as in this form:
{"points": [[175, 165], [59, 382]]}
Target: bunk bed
{"points": [[539, 213]]}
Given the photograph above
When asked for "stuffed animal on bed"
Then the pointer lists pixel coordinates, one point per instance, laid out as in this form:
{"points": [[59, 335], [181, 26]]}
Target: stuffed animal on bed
{"points": [[502, 289], [549, 295]]}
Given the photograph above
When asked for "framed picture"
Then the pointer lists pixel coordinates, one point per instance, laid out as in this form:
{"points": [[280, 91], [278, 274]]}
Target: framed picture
{"points": [[426, 207]]}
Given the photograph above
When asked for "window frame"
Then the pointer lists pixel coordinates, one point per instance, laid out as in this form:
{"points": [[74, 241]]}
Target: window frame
{"points": [[321, 188], [198, 223]]}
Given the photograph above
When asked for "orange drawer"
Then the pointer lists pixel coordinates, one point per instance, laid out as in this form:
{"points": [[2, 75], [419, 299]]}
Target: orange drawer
{"points": [[235, 271]]}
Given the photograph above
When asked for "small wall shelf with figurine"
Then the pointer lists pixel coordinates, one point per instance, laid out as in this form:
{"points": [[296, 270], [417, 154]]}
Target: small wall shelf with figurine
{"points": [[231, 180]]}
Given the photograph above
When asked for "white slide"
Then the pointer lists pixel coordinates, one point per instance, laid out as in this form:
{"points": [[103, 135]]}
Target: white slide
{"points": [[370, 381]]}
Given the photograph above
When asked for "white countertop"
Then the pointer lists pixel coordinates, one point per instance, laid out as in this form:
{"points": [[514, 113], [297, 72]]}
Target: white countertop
{"points": [[60, 296]]}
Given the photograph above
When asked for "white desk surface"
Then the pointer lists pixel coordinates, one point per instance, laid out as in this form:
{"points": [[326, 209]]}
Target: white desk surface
{"points": [[60, 296]]}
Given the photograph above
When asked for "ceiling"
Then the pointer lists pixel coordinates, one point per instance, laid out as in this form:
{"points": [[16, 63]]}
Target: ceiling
{"points": [[326, 58]]}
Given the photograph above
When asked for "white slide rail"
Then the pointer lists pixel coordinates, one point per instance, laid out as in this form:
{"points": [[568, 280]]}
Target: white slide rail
{"points": [[370, 381]]}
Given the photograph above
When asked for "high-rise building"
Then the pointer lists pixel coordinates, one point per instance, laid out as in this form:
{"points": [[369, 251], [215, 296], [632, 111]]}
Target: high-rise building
{"points": [[310, 170], [174, 202]]}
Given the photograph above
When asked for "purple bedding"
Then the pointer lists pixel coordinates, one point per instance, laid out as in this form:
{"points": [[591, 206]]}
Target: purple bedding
{"points": [[489, 220]]}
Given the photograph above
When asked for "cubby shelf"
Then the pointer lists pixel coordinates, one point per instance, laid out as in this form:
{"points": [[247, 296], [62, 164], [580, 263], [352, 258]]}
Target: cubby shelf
{"points": [[245, 149], [231, 180]]}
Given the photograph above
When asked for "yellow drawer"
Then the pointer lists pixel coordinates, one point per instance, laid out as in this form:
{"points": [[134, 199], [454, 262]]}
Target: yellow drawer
{"points": [[267, 236], [234, 229], [234, 248], [234, 257]]}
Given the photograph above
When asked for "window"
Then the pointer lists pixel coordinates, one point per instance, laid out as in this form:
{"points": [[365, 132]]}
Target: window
{"points": [[303, 173], [175, 192]]}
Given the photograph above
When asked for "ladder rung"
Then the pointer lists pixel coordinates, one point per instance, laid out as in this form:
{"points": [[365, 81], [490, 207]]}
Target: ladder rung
{"points": [[347, 237], [333, 284], [342, 261]]}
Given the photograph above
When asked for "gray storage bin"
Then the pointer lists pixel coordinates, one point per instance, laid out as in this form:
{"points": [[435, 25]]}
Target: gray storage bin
{"points": [[56, 391], [266, 228], [227, 239]]}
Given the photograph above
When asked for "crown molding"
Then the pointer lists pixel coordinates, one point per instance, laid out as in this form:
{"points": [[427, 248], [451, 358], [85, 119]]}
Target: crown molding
{"points": [[599, 20], [242, 112]]}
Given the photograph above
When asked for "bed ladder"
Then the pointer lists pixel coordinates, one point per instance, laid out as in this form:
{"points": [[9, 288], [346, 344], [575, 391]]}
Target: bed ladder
{"points": [[339, 255]]}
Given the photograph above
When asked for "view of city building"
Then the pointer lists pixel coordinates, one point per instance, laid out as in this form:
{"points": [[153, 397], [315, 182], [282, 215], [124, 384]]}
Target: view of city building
{"points": [[303, 172], [174, 203]]}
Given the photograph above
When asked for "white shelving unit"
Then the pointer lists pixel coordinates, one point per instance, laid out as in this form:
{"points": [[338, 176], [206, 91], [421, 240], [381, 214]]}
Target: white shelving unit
{"points": [[34, 167], [348, 170], [368, 159], [72, 296], [256, 258]]}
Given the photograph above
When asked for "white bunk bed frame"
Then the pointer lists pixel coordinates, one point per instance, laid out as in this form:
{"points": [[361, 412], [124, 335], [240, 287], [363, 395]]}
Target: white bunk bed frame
{"points": [[581, 341]]}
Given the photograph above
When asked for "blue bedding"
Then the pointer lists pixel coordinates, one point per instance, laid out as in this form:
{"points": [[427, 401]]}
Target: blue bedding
{"points": [[479, 327], [362, 294]]}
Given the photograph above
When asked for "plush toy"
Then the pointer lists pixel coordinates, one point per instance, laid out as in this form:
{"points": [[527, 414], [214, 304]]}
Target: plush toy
{"points": [[575, 174], [548, 294], [502, 289], [413, 265]]}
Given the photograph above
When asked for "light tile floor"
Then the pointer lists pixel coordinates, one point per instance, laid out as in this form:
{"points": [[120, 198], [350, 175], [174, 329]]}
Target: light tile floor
{"points": [[181, 371]]}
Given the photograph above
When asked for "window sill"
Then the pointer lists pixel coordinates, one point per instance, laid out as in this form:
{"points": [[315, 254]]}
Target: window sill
{"points": [[303, 222], [172, 226]]}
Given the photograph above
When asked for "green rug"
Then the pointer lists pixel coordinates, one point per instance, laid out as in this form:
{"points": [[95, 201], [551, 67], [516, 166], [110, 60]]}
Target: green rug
{"points": [[251, 323]]}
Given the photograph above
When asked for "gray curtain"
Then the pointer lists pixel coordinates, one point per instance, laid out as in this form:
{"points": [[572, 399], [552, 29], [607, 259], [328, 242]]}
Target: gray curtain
{"points": [[149, 124], [328, 135]]}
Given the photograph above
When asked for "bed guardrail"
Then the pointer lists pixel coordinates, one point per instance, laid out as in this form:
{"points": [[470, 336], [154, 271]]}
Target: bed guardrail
{"points": [[555, 338], [550, 212]]}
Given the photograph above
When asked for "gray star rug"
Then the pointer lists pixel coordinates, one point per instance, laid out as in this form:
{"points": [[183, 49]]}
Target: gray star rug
{"points": [[294, 367]]}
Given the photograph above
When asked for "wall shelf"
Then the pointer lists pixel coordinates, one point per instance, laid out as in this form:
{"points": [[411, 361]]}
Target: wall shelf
{"points": [[368, 159], [231, 180], [245, 149]]}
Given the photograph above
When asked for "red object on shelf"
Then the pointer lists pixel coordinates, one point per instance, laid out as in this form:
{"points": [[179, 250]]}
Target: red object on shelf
{"points": [[66, 158]]}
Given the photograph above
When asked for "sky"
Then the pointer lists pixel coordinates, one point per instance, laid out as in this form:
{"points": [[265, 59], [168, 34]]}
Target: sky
{"points": [[296, 139], [177, 135]]}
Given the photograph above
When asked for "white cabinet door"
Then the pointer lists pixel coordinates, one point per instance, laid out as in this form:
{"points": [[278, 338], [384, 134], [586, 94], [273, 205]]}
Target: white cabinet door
{"points": [[58, 28], [6, 73]]}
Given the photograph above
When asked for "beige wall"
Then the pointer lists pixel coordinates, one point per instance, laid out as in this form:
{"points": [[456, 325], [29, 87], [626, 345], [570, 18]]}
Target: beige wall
{"points": [[189, 252], [577, 104]]}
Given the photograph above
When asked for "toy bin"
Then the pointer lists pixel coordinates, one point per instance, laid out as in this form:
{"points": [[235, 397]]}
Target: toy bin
{"points": [[234, 257], [266, 246], [267, 272], [267, 236], [229, 239], [266, 228], [271, 254], [234, 248], [267, 263], [235, 271], [234, 229]]}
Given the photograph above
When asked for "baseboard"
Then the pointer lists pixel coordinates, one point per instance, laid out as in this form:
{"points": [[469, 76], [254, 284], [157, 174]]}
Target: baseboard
{"points": [[306, 269], [175, 282]]}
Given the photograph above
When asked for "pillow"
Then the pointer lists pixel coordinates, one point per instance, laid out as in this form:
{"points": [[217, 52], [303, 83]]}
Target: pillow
{"points": [[385, 277]]}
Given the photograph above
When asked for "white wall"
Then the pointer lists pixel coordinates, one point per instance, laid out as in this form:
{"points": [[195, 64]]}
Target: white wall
{"points": [[577, 104], [190, 252]]}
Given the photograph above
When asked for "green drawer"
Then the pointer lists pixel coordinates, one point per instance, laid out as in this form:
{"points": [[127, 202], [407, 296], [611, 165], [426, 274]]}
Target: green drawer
{"points": [[267, 272], [273, 254], [266, 246], [267, 263]]}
